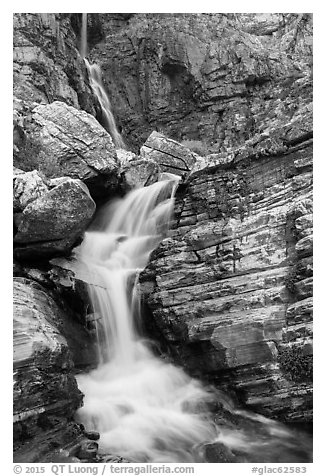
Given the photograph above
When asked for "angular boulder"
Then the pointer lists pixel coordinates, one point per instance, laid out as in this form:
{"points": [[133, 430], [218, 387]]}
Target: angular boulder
{"points": [[169, 154], [52, 223], [136, 171], [60, 141], [46, 63]]}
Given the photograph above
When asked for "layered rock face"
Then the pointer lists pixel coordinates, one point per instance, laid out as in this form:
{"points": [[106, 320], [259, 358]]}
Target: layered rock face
{"points": [[60, 140], [231, 288], [218, 78], [45, 391]]}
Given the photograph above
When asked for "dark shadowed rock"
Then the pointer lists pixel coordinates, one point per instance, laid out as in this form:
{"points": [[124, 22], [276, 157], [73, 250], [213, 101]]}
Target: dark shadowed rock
{"points": [[137, 171], [216, 78], [92, 435]]}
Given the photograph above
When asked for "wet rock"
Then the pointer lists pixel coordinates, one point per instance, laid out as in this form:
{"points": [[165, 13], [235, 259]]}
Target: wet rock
{"points": [[63, 141], [304, 246], [168, 154], [53, 222], [114, 459], [28, 186], [88, 450], [207, 77], [63, 456], [304, 225]]}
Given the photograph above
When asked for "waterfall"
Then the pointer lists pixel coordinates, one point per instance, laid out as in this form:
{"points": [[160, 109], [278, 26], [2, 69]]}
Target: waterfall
{"points": [[83, 42], [145, 408], [139, 403], [96, 83]]}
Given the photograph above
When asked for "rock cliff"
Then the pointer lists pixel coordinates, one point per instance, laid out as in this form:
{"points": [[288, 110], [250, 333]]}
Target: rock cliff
{"points": [[45, 391], [231, 287], [47, 65], [217, 78]]}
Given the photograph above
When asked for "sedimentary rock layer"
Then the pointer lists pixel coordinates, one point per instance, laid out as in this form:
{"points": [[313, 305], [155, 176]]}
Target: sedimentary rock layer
{"points": [[231, 287]]}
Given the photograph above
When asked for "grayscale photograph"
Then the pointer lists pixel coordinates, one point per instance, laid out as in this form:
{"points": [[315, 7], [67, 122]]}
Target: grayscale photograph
{"points": [[162, 209]]}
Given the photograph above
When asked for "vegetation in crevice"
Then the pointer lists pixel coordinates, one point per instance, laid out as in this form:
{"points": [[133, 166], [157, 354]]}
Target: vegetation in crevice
{"points": [[296, 364]]}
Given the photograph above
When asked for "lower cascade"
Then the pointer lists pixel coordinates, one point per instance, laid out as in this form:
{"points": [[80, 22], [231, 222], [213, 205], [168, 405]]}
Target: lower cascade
{"points": [[145, 408]]}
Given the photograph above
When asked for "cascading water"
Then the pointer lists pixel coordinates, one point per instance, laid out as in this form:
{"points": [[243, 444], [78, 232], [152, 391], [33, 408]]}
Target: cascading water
{"points": [[146, 409], [95, 76], [83, 39], [135, 400]]}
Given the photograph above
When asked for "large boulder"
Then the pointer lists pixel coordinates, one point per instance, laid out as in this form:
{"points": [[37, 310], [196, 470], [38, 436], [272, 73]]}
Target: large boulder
{"points": [[46, 395], [61, 140], [52, 223]]}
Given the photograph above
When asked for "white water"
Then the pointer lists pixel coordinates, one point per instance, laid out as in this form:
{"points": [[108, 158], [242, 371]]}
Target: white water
{"points": [[95, 78], [139, 403], [146, 409], [83, 43]]}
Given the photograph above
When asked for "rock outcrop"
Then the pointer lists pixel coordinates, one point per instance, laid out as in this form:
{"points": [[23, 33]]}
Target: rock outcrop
{"points": [[217, 78], [46, 395], [61, 141], [229, 99], [231, 287], [49, 221], [47, 64]]}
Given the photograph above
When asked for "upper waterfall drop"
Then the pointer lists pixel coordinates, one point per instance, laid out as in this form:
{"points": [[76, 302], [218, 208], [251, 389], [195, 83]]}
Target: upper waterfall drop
{"points": [[96, 83], [83, 42]]}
